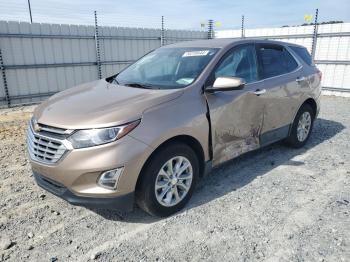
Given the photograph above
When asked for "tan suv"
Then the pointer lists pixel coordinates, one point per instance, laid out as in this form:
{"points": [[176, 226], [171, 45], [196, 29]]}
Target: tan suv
{"points": [[147, 134]]}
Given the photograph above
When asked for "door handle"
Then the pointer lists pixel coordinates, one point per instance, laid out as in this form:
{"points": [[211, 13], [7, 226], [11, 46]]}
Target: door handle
{"points": [[259, 92], [300, 79]]}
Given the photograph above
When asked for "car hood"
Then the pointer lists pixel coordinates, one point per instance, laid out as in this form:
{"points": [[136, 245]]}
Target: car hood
{"points": [[99, 104]]}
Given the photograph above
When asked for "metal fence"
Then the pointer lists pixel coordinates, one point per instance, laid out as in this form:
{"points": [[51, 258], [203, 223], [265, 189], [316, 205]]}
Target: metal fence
{"points": [[330, 44], [38, 60]]}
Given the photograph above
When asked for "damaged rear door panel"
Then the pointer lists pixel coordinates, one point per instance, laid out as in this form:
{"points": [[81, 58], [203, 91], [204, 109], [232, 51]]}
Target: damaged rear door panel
{"points": [[280, 73]]}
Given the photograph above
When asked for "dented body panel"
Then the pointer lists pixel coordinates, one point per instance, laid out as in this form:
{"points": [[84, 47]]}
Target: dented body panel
{"points": [[242, 121], [237, 119]]}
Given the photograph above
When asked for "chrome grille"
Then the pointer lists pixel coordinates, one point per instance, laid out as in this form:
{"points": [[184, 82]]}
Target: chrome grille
{"points": [[54, 130], [44, 148]]}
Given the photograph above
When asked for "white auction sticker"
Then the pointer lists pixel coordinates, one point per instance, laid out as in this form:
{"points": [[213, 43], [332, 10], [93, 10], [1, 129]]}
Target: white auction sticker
{"points": [[196, 53]]}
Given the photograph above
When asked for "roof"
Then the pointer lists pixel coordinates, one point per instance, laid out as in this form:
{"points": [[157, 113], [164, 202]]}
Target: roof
{"points": [[223, 42]]}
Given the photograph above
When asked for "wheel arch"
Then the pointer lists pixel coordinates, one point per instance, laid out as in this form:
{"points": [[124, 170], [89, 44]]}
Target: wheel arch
{"points": [[310, 101], [185, 139]]}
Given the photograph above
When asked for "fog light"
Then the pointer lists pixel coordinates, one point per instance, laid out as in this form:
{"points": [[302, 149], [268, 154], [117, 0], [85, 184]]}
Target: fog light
{"points": [[109, 179]]}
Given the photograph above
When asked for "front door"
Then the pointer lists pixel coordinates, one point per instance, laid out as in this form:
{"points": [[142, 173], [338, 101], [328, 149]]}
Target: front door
{"points": [[236, 116]]}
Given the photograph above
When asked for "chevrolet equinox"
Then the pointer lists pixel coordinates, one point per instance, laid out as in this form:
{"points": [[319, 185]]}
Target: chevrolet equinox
{"points": [[149, 133]]}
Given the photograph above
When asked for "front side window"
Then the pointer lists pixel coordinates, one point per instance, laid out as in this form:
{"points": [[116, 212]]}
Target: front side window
{"points": [[240, 62], [167, 68], [275, 60]]}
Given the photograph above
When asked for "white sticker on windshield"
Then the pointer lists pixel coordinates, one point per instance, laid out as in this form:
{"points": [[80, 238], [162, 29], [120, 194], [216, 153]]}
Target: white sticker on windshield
{"points": [[196, 53]]}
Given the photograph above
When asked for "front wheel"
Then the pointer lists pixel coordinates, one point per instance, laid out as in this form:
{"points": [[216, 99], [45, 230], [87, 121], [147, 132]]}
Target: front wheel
{"points": [[168, 180], [302, 127]]}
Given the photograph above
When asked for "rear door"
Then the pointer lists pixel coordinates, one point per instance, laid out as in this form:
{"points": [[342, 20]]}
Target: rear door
{"points": [[236, 116], [283, 80]]}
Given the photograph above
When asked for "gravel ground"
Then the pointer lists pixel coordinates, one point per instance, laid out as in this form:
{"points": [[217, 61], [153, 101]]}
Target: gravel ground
{"points": [[274, 204]]}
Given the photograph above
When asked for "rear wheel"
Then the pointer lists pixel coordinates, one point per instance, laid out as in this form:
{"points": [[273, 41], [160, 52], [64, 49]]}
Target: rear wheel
{"points": [[168, 180], [302, 127]]}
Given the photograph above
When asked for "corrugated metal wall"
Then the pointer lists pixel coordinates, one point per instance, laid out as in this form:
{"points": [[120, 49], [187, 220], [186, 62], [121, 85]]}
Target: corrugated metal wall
{"points": [[41, 59], [332, 50]]}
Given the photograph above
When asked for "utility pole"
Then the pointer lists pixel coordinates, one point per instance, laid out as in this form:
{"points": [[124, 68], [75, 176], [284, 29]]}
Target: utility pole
{"points": [[30, 12]]}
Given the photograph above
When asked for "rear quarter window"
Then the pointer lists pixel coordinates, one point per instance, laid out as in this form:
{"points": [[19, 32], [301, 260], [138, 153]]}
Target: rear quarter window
{"points": [[303, 54]]}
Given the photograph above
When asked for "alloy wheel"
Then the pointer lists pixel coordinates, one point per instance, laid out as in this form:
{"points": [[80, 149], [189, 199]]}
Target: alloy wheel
{"points": [[304, 126], [173, 181]]}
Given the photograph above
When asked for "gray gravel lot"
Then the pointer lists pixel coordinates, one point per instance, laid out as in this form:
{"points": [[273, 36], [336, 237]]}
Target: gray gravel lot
{"points": [[274, 204]]}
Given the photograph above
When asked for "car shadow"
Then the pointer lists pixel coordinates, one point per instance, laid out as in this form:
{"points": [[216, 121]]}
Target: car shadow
{"points": [[232, 175]]}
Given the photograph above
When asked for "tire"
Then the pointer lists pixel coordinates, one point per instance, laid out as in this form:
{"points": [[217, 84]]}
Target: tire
{"points": [[149, 199], [294, 140]]}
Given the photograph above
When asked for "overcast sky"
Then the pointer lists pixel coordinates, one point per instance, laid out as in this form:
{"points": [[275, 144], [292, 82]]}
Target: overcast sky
{"points": [[186, 14]]}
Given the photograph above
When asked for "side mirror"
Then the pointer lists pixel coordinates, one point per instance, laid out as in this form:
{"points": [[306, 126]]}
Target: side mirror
{"points": [[226, 83]]}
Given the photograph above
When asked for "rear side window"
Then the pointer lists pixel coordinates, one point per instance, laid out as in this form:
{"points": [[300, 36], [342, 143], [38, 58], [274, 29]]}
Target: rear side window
{"points": [[275, 60], [303, 54]]}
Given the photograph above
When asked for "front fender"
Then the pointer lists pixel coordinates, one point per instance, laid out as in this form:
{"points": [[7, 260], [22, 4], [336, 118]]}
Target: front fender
{"points": [[185, 115]]}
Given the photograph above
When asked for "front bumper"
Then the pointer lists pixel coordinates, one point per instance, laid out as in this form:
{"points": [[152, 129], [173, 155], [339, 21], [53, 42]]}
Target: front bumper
{"points": [[79, 170], [121, 202]]}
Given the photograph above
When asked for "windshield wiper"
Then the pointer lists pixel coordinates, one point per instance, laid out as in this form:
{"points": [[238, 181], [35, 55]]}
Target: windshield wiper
{"points": [[138, 85]]}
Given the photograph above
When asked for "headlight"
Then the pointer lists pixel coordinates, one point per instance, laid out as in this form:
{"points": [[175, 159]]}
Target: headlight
{"points": [[100, 136]]}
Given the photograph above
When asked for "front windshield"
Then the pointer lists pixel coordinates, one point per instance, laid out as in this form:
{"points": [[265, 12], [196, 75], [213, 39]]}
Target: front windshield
{"points": [[167, 68]]}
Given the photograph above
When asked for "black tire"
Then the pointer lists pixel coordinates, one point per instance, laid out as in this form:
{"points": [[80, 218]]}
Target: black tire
{"points": [[292, 139], [145, 191]]}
